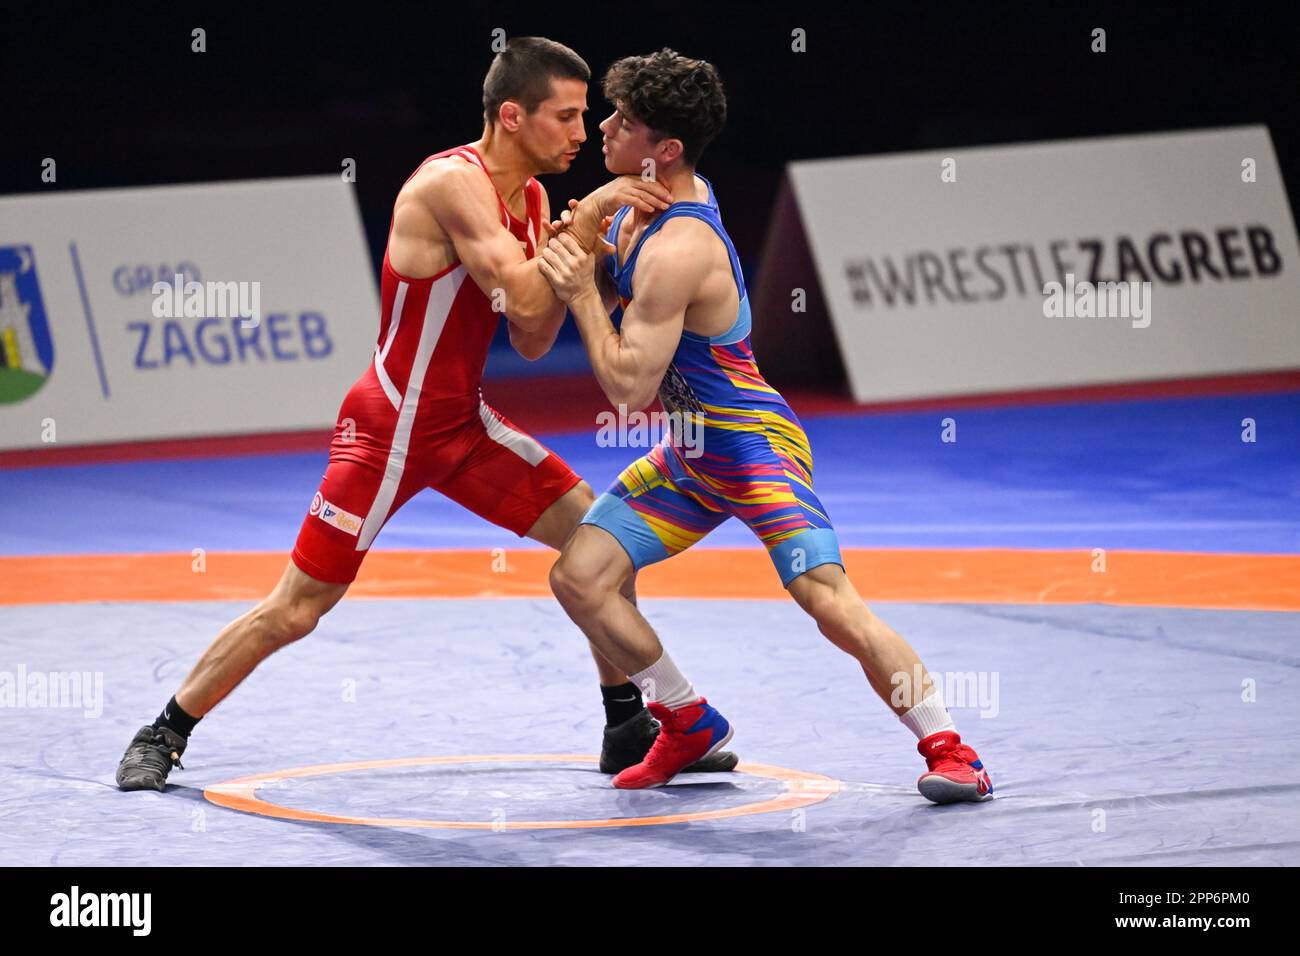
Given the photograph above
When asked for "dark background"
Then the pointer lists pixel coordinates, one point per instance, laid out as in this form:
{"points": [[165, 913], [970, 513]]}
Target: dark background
{"points": [[118, 99]]}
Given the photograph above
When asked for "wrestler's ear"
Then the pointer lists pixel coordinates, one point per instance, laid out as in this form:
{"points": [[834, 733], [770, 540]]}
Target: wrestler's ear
{"points": [[511, 115]]}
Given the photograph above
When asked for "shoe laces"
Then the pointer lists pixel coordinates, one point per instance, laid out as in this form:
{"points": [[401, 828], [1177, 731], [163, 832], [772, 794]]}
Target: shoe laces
{"points": [[954, 759], [159, 754], [660, 748]]}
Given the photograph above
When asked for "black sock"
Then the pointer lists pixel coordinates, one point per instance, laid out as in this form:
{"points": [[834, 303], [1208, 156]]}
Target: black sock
{"points": [[622, 703], [176, 720]]}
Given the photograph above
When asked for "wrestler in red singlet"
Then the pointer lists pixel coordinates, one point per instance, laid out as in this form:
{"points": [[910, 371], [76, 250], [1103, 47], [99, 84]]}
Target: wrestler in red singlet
{"points": [[416, 419]]}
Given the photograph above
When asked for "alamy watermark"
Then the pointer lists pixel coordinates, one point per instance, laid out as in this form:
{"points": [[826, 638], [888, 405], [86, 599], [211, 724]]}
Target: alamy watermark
{"points": [[640, 429], [204, 300], [130, 910], [40, 690], [957, 689], [1098, 300]]}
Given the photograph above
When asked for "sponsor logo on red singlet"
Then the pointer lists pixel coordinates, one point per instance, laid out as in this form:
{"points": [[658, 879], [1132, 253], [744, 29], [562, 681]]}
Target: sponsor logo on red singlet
{"points": [[343, 520]]}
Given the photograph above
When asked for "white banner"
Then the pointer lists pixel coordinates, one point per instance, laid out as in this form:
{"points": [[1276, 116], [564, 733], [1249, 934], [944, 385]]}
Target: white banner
{"points": [[1166, 255], [272, 318]]}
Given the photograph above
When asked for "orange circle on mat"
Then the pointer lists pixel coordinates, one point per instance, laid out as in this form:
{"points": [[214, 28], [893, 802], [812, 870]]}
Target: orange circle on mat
{"points": [[802, 789]]}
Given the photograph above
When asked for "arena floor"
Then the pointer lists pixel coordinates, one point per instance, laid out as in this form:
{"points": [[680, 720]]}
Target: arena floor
{"points": [[1139, 711]]}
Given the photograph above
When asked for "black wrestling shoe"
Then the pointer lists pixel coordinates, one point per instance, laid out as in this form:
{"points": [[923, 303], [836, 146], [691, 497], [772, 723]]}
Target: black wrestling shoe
{"points": [[627, 744], [150, 758]]}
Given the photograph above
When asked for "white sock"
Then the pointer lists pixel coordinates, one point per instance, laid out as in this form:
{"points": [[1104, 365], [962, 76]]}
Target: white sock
{"points": [[664, 683], [928, 717]]}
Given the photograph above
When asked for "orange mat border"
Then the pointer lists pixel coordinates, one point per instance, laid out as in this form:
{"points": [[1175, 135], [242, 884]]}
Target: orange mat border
{"points": [[979, 576], [800, 789]]}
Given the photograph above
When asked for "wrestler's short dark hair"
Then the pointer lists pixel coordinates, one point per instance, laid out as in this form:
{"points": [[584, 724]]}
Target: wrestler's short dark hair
{"points": [[672, 94], [523, 72]]}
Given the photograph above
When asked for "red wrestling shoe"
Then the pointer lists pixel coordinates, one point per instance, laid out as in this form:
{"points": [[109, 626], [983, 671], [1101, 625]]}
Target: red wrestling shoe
{"points": [[686, 735], [956, 772]]}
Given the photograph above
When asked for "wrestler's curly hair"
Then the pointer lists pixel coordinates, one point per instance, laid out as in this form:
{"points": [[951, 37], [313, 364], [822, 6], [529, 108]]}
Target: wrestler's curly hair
{"points": [[672, 94]]}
